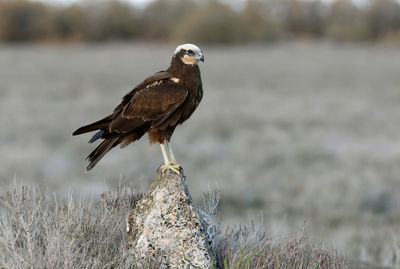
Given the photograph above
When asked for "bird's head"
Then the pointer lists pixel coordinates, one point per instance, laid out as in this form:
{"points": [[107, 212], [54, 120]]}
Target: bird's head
{"points": [[189, 54]]}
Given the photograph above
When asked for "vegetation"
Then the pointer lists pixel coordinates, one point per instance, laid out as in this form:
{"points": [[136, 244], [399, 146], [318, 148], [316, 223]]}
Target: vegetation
{"points": [[298, 132], [36, 232], [210, 21]]}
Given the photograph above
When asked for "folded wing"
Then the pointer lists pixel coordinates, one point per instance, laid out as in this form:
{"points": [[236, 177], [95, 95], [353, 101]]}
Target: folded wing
{"points": [[154, 103], [152, 106]]}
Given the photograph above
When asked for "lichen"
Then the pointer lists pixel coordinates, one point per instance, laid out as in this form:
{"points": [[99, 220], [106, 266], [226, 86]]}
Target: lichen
{"points": [[167, 227]]}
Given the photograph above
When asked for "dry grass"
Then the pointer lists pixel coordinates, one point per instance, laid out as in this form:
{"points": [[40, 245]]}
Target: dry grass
{"points": [[249, 245], [37, 232]]}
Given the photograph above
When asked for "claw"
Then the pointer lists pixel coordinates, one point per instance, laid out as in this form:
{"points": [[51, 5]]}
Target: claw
{"points": [[171, 166], [175, 165]]}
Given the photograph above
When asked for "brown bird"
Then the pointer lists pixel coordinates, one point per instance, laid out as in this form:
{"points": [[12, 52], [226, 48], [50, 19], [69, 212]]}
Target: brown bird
{"points": [[155, 106]]}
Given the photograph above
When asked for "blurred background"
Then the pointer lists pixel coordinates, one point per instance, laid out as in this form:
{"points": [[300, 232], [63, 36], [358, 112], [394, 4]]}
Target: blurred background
{"points": [[298, 128]]}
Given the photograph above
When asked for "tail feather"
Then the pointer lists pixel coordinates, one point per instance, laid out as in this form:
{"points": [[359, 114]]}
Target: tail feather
{"points": [[93, 126], [96, 136], [100, 151]]}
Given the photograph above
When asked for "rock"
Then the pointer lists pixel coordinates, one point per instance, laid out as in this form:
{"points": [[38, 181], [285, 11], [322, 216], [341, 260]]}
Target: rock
{"points": [[166, 228]]}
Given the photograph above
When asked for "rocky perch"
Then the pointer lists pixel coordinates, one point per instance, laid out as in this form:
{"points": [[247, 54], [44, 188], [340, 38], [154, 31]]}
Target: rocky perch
{"points": [[166, 228]]}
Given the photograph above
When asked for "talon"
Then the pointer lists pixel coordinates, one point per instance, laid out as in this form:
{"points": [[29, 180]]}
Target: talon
{"points": [[171, 166], [175, 165], [175, 170]]}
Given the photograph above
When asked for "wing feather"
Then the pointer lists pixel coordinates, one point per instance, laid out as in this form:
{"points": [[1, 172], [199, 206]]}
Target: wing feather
{"points": [[148, 81], [153, 104]]}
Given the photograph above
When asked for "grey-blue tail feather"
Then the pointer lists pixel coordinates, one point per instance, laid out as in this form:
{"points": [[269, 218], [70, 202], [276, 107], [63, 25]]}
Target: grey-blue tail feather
{"points": [[96, 136]]}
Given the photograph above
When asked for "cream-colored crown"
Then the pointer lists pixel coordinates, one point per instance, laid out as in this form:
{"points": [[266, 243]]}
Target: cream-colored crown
{"points": [[188, 47]]}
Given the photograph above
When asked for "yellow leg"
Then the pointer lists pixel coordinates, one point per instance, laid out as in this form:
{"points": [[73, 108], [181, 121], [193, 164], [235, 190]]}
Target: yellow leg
{"points": [[171, 153], [172, 157], [167, 164], [164, 153]]}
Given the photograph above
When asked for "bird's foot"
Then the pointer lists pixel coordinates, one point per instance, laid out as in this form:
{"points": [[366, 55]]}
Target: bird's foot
{"points": [[171, 166], [176, 166]]}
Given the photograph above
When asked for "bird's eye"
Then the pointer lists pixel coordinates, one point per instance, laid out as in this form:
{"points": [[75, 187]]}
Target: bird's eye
{"points": [[190, 51]]}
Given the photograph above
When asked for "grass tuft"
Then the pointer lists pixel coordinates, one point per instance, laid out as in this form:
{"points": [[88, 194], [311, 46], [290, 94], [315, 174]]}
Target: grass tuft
{"points": [[38, 232]]}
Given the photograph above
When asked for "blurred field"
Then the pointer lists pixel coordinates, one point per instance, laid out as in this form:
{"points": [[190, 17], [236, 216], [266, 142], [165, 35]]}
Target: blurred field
{"points": [[295, 135]]}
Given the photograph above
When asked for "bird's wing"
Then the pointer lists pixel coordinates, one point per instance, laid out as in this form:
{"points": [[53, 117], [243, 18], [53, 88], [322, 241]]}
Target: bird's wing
{"points": [[162, 75], [153, 104], [105, 122]]}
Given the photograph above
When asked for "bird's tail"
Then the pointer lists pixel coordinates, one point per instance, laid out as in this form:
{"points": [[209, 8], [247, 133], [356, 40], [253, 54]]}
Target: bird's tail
{"points": [[93, 126], [100, 151]]}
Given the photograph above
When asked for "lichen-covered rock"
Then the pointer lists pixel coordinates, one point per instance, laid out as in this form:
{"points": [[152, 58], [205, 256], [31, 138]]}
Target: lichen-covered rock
{"points": [[165, 228]]}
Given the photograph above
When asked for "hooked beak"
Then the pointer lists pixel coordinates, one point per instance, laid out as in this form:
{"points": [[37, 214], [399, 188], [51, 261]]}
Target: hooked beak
{"points": [[200, 58]]}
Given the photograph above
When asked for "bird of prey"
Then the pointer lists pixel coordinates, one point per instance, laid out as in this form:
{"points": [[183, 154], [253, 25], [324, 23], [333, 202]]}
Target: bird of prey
{"points": [[155, 106]]}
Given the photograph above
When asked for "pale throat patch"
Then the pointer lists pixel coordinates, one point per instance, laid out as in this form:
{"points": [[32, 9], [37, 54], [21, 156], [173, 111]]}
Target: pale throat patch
{"points": [[189, 60]]}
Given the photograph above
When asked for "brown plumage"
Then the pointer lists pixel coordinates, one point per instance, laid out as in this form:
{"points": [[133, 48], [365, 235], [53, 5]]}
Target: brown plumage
{"points": [[155, 106]]}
